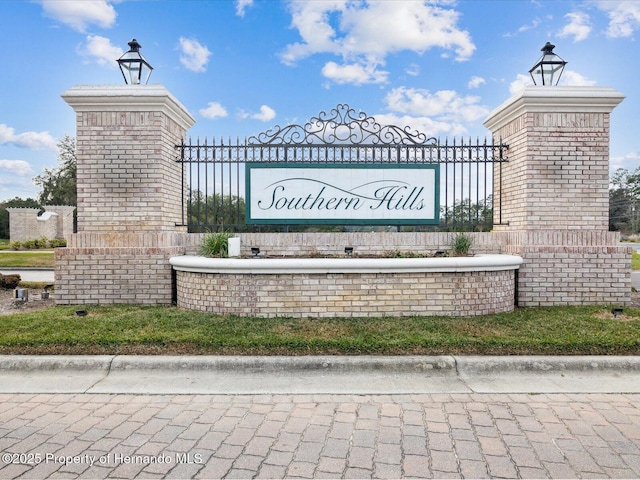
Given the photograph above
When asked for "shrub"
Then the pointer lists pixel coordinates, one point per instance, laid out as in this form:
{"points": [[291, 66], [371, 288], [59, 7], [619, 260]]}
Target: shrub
{"points": [[29, 244], [42, 242], [15, 245], [58, 242], [9, 281], [215, 245]]}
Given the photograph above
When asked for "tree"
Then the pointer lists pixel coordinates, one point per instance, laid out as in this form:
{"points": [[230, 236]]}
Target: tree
{"points": [[624, 201], [467, 216], [59, 184], [215, 213]]}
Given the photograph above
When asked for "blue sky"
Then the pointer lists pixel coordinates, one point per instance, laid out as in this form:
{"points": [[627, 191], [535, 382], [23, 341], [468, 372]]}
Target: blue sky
{"points": [[241, 67]]}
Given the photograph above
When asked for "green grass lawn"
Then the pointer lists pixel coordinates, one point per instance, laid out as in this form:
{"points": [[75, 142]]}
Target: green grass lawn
{"points": [[23, 259], [635, 261], [170, 330]]}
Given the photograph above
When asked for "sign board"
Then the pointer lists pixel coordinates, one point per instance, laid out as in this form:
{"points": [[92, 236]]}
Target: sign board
{"points": [[388, 194]]}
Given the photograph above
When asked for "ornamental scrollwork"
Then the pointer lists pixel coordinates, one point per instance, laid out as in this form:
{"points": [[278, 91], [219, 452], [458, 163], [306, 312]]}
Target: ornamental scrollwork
{"points": [[342, 126]]}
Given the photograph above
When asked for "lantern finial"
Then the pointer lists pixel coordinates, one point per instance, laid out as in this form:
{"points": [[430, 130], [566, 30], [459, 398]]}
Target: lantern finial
{"points": [[134, 67], [549, 67]]}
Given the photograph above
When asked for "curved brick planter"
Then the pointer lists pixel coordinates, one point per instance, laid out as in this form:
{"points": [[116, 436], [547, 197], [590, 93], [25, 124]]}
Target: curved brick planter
{"points": [[347, 287]]}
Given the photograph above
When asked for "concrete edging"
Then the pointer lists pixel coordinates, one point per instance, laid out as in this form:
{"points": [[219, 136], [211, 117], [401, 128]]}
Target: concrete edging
{"points": [[338, 375], [256, 364]]}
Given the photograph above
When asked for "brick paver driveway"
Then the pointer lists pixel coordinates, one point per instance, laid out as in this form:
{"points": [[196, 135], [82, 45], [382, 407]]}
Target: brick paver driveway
{"points": [[320, 436]]}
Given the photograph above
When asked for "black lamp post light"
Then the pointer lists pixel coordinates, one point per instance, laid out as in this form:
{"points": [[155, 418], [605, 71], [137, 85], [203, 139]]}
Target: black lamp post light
{"points": [[134, 67], [549, 67]]}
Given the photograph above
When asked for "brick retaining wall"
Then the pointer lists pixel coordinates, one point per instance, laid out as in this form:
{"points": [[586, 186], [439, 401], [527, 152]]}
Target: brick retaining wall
{"points": [[348, 295]]}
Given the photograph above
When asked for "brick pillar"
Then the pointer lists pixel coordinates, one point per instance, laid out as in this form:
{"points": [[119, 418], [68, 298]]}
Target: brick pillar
{"points": [[557, 176], [129, 195], [23, 224], [65, 219], [554, 198]]}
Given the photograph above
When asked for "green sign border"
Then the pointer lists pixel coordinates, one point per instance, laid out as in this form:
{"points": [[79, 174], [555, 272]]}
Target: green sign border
{"points": [[346, 221]]}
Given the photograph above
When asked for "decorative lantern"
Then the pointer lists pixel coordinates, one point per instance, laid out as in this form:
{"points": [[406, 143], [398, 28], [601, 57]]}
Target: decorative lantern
{"points": [[134, 67], [549, 67]]}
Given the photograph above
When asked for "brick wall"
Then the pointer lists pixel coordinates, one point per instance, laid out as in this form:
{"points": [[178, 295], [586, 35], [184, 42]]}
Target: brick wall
{"points": [[557, 174], [23, 224], [363, 243], [126, 275], [571, 268], [127, 182], [348, 295], [130, 197], [55, 222]]}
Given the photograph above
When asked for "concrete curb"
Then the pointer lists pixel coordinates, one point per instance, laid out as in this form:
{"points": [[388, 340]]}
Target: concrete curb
{"points": [[544, 363], [335, 364], [280, 364], [112, 374], [49, 363]]}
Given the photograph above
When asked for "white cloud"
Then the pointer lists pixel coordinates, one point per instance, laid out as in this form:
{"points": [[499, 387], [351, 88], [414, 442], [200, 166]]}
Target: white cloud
{"points": [[624, 17], [266, 114], [413, 70], [630, 161], [426, 125], [352, 30], [214, 110], [16, 167], [80, 14], [579, 26], [574, 79], [441, 113], [100, 50], [30, 140], [195, 56], [355, 73], [446, 104], [534, 24], [242, 5], [476, 81], [519, 83]]}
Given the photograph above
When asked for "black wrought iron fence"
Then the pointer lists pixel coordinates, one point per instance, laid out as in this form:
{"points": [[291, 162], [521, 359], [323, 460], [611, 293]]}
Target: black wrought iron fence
{"points": [[214, 171]]}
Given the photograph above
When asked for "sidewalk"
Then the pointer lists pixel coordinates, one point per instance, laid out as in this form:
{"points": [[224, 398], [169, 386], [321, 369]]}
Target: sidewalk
{"points": [[445, 433]]}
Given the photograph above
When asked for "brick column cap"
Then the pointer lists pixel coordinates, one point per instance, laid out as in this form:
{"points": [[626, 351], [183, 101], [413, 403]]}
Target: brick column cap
{"points": [[21, 209], [128, 98], [559, 99]]}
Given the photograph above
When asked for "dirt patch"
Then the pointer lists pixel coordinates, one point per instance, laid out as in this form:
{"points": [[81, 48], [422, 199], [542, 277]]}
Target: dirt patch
{"points": [[635, 299], [9, 305]]}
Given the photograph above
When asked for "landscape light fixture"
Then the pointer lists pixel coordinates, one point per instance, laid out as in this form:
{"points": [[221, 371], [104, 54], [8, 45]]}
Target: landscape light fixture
{"points": [[549, 67], [255, 251], [348, 251], [134, 67]]}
